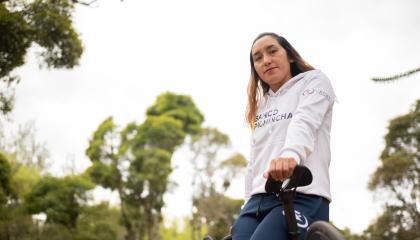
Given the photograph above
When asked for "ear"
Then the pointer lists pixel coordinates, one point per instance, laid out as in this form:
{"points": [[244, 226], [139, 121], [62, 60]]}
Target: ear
{"points": [[291, 60]]}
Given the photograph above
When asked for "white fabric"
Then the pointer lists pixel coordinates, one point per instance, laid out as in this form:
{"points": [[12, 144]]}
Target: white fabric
{"points": [[294, 122]]}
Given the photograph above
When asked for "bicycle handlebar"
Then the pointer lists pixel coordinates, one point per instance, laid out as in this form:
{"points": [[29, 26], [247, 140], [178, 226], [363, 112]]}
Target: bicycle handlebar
{"points": [[301, 176]]}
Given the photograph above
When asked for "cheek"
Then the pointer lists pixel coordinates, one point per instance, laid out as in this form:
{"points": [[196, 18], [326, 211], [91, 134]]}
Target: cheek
{"points": [[286, 62], [258, 69]]}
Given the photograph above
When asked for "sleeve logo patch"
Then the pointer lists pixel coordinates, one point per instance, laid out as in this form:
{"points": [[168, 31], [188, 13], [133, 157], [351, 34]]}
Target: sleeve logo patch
{"points": [[319, 91]]}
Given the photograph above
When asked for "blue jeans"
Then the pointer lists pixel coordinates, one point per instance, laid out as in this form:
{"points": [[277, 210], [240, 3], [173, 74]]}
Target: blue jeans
{"points": [[262, 217]]}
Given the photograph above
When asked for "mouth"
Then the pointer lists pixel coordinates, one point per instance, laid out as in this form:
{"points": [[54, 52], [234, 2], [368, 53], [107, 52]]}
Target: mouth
{"points": [[269, 70]]}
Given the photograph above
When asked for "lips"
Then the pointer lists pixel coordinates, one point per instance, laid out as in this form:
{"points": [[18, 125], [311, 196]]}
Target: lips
{"points": [[268, 70]]}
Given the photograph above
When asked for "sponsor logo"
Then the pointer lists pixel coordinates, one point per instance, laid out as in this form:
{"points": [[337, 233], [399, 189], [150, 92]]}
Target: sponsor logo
{"points": [[318, 91], [301, 220], [308, 92], [271, 116]]}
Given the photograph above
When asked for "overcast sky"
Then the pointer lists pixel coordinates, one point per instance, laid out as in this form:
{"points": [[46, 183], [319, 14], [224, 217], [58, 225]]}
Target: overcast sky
{"points": [[135, 50]]}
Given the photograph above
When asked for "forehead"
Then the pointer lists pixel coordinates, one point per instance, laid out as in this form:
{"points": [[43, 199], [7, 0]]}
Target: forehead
{"points": [[264, 43]]}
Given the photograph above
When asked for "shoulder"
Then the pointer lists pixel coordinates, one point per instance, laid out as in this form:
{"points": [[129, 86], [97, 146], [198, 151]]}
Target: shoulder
{"points": [[316, 76], [317, 81]]}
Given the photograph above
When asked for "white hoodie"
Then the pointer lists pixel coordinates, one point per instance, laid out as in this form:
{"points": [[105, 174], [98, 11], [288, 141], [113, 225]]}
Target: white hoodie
{"points": [[294, 122]]}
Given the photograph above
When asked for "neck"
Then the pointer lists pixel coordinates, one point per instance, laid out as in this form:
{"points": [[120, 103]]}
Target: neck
{"points": [[276, 87]]}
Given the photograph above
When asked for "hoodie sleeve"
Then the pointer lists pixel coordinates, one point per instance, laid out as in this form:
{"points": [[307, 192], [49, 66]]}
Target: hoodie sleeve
{"points": [[248, 181], [315, 99]]}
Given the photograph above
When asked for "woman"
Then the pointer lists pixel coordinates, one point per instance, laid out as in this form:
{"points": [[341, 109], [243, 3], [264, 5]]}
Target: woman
{"points": [[289, 110]]}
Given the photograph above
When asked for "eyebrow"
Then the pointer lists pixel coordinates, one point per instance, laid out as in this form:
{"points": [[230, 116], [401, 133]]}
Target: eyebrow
{"points": [[268, 47]]}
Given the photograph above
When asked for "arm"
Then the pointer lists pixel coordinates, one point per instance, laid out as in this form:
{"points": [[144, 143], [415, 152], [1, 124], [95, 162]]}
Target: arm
{"points": [[248, 182], [314, 102], [316, 98]]}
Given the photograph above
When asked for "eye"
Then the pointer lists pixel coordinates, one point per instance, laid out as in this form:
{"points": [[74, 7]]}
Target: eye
{"points": [[257, 58], [272, 51]]}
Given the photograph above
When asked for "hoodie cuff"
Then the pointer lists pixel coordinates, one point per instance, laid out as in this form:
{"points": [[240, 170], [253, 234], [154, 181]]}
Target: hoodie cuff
{"points": [[291, 154]]}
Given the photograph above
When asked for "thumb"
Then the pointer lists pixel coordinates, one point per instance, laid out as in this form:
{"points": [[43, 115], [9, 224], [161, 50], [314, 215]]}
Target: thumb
{"points": [[266, 174]]}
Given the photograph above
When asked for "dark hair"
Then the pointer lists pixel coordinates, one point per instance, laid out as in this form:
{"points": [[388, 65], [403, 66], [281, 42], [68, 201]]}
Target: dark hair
{"points": [[257, 88]]}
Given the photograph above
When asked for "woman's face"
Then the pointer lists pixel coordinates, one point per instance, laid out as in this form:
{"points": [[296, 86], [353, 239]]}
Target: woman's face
{"points": [[271, 62]]}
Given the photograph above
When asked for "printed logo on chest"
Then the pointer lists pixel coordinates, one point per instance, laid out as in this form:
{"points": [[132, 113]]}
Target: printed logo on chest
{"points": [[271, 116]]}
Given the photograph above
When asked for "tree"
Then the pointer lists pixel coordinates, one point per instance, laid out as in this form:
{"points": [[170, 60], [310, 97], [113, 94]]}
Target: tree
{"points": [[209, 201], [205, 147], [60, 199], [232, 167], [16, 182], [5, 179], [136, 161], [99, 222], [398, 176], [25, 148], [219, 212], [48, 24]]}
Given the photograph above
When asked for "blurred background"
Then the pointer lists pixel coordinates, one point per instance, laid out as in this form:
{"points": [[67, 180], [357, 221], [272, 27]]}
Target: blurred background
{"points": [[126, 119]]}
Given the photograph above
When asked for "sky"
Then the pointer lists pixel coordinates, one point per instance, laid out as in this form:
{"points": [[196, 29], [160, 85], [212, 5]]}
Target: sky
{"points": [[136, 50]]}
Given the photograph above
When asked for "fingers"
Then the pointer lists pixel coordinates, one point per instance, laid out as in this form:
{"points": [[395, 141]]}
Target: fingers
{"points": [[281, 168]]}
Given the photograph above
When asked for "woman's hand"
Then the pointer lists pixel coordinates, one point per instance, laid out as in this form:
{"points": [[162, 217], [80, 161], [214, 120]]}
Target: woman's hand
{"points": [[281, 168]]}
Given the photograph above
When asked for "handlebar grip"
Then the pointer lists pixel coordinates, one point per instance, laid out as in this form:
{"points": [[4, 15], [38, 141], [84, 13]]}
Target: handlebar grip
{"points": [[301, 176]]}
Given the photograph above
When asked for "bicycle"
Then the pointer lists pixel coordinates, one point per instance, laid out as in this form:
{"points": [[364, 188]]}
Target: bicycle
{"points": [[318, 230]]}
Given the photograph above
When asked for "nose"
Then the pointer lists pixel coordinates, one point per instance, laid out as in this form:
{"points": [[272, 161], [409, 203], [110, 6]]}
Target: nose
{"points": [[267, 60]]}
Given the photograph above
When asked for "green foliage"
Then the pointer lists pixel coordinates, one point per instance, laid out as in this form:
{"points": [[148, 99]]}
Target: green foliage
{"points": [[106, 175], [177, 232], [136, 161], [15, 39], [14, 222], [5, 175], [45, 22], [25, 149], [210, 207], [52, 231], [48, 23], [232, 167], [52, 29], [220, 213], [178, 107], [162, 132], [24, 179], [148, 170], [99, 222], [399, 176], [95, 151], [61, 199], [392, 225], [205, 146]]}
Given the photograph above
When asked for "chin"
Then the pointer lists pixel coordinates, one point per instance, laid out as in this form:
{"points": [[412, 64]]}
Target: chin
{"points": [[274, 81]]}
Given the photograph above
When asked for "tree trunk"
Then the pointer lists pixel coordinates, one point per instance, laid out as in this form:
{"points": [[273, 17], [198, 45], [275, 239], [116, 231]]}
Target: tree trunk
{"points": [[131, 233], [155, 227]]}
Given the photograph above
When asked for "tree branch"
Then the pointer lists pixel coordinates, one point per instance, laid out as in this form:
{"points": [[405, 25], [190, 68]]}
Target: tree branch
{"points": [[84, 3], [396, 77]]}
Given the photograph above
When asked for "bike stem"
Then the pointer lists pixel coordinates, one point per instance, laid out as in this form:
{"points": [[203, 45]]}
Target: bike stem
{"points": [[287, 196]]}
